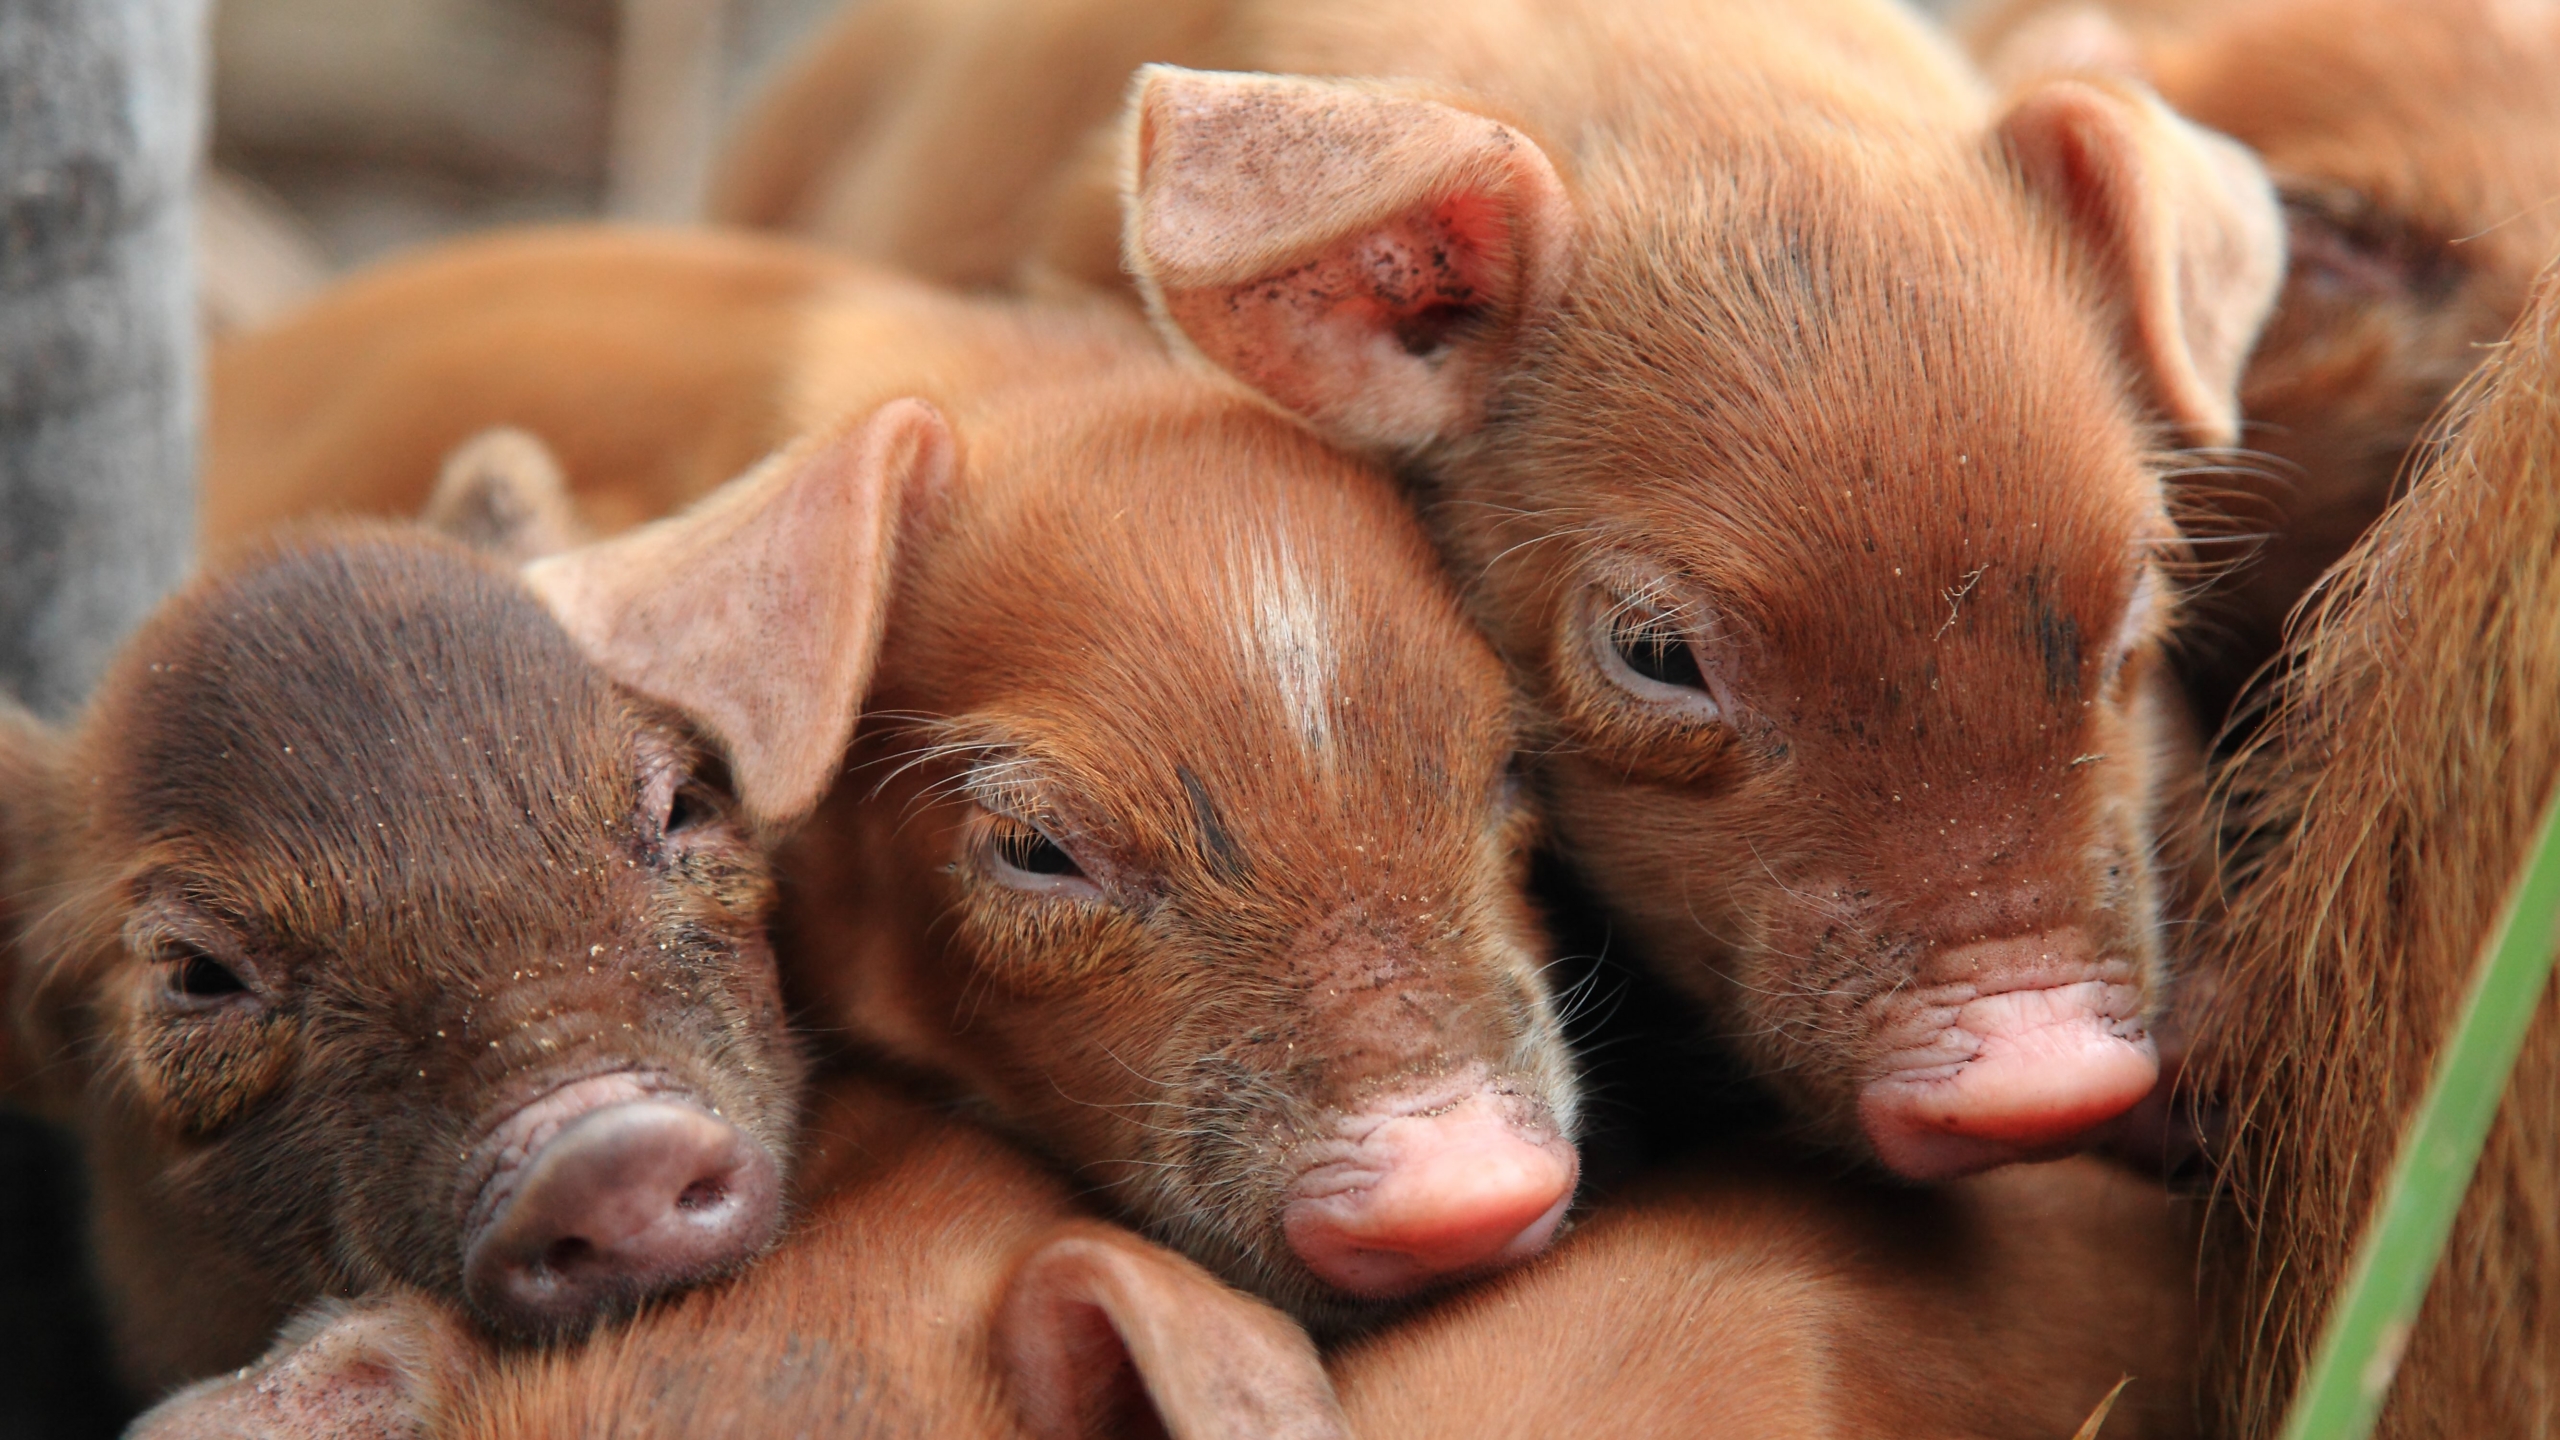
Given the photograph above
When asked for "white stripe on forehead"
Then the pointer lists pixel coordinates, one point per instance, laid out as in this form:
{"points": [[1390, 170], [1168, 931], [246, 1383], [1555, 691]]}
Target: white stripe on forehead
{"points": [[1292, 639]]}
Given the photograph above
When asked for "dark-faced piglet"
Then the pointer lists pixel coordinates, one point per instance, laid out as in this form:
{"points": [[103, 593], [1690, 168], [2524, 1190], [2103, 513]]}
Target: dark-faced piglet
{"points": [[391, 918]]}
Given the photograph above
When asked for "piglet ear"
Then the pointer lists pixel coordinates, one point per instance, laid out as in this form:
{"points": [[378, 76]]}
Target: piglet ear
{"points": [[383, 1368], [502, 493], [758, 612], [1087, 1309], [1364, 258], [2185, 229]]}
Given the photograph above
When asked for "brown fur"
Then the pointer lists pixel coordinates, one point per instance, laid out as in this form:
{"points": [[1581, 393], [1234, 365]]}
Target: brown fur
{"points": [[1758, 1301], [908, 1301], [357, 855], [1753, 318], [370, 775], [1296, 905], [889, 65], [1753, 1302], [2418, 148], [2392, 796], [712, 410]]}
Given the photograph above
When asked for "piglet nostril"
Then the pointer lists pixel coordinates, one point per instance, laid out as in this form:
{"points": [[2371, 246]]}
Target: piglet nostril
{"points": [[1432, 1197], [628, 1201]]}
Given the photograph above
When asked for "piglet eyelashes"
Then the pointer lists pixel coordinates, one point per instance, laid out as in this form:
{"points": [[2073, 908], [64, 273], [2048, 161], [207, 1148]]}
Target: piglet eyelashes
{"points": [[198, 977], [1649, 652], [1648, 643], [1029, 851], [1023, 856]]}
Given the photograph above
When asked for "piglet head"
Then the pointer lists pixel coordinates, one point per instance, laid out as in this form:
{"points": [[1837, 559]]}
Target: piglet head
{"points": [[1196, 847], [1816, 498], [406, 917]]}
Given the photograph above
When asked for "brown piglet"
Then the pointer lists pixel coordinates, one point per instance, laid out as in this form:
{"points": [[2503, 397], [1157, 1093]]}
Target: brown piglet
{"points": [[1180, 829], [390, 919], [1795, 423], [1754, 1302], [937, 1282], [2417, 150], [2386, 807]]}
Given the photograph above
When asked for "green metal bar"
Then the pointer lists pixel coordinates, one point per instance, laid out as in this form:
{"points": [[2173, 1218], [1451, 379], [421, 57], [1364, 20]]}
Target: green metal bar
{"points": [[2360, 1348]]}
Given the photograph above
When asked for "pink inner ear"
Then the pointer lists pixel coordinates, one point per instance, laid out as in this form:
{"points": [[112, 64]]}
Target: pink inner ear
{"points": [[1072, 1373], [1427, 273], [1330, 338]]}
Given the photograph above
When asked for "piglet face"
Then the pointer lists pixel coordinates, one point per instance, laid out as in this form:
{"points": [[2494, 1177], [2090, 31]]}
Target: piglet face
{"points": [[1217, 845], [419, 951], [1860, 724]]}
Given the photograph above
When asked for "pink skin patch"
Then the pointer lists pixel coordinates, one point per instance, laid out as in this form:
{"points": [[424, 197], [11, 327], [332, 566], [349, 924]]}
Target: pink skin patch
{"points": [[1412, 1195], [605, 1192], [2019, 1075]]}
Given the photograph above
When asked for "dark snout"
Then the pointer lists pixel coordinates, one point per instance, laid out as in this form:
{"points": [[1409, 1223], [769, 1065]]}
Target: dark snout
{"points": [[609, 1192]]}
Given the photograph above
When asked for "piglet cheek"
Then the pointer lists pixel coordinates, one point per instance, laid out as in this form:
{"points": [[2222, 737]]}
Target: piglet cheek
{"points": [[2021, 1075], [1420, 1198]]}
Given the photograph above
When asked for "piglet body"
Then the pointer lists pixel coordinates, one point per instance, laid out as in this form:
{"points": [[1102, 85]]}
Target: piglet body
{"points": [[1182, 833], [373, 930], [1788, 415], [938, 1282], [1753, 1302]]}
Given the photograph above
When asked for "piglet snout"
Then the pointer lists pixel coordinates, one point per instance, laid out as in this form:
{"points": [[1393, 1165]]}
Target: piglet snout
{"points": [[2017, 1073], [1416, 1197], [614, 1203]]}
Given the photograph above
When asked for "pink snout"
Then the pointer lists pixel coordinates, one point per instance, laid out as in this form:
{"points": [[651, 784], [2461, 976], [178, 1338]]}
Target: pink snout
{"points": [[2022, 1074], [608, 1194], [1418, 1197]]}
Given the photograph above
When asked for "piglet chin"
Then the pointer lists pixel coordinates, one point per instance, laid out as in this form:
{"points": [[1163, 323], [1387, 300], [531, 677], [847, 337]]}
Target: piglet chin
{"points": [[2045, 1068], [1419, 1197]]}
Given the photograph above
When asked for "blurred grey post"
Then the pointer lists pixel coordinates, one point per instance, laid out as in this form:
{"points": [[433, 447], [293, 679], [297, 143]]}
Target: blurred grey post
{"points": [[667, 91], [101, 105]]}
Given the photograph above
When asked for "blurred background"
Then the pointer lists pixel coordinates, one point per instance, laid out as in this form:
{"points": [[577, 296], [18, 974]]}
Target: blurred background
{"points": [[346, 129]]}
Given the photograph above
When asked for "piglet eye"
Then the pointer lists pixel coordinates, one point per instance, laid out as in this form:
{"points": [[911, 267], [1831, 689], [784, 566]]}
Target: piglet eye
{"points": [[1653, 648], [201, 977], [195, 975], [1025, 849], [687, 809]]}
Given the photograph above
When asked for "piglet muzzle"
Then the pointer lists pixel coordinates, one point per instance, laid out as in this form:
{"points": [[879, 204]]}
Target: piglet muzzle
{"points": [[2035, 1049], [1416, 1192], [608, 1192]]}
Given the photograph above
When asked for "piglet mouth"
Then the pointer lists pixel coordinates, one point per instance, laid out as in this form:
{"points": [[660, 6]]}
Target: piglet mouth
{"points": [[1423, 1188], [606, 1192], [1996, 1076]]}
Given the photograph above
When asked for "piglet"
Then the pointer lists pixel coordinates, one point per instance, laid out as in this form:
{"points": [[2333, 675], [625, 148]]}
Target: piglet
{"points": [[2416, 148], [1181, 830], [938, 1283], [1793, 420], [390, 919], [1762, 1299], [1755, 1301], [2389, 804]]}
